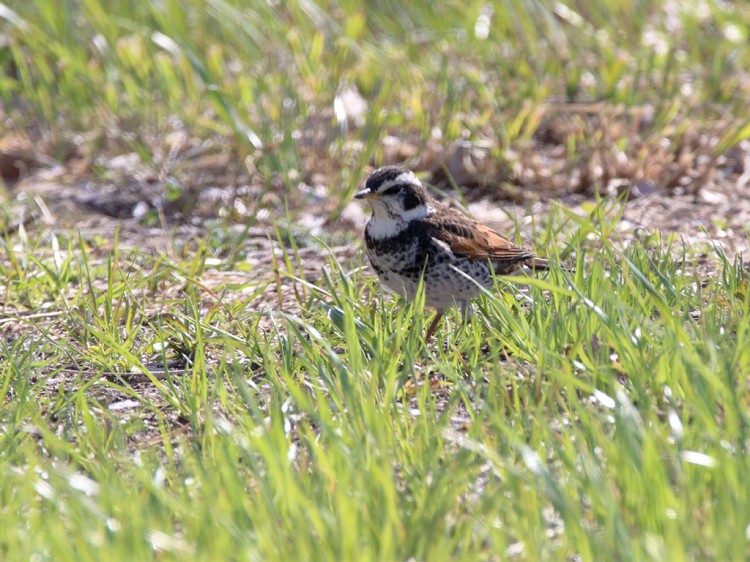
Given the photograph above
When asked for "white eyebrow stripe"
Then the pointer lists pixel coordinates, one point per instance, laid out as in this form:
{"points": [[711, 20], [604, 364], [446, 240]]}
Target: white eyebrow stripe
{"points": [[406, 177]]}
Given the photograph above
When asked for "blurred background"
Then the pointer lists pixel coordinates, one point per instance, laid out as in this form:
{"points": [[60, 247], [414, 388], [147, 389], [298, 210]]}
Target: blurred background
{"points": [[215, 113]]}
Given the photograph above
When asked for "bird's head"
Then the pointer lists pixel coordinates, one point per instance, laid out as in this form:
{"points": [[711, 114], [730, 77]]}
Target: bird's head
{"points": [[395, 193]]}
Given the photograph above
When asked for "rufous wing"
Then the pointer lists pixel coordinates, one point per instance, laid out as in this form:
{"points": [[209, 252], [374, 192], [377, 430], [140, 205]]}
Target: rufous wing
{"points": [[478, 242]]}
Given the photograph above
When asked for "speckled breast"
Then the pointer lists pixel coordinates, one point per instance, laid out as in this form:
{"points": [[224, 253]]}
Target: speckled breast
{"points": [[400, 263]]}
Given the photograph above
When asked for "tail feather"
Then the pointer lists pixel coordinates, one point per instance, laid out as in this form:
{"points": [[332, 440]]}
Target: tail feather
{"points": [[538, 264], [541, 264]]}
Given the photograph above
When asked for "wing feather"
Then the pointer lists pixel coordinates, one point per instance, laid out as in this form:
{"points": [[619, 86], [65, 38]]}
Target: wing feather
{"points": [[474, 240]]}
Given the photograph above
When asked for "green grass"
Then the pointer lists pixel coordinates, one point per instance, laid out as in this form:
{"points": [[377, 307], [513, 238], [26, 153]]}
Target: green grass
{"points": [[153, 409], [608, 419]]}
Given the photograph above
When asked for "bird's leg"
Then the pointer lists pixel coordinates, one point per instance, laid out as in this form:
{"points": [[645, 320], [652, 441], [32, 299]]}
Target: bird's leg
{"points": [[431, 329], [467, 312]]}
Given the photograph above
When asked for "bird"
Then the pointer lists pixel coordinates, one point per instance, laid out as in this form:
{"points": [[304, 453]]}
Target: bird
{"points": [[413, 237]]}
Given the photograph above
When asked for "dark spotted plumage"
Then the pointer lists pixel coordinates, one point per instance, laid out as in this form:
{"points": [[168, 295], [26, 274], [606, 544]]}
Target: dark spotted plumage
{"points": [[411, 234]]}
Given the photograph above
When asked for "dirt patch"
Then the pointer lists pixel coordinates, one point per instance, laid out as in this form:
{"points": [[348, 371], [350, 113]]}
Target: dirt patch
{"points": [[684, 180]]}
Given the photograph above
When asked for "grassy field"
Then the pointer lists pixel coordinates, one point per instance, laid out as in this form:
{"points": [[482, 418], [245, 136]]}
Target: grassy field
{"points": [[197, 364]]}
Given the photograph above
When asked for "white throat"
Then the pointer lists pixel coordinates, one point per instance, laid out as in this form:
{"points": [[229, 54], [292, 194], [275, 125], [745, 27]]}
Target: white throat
{"points": [[383, 224]]}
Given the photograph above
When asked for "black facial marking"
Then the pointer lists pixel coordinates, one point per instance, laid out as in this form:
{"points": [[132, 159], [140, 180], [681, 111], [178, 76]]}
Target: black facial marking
{"points": [[392, 190], [410, 200]]}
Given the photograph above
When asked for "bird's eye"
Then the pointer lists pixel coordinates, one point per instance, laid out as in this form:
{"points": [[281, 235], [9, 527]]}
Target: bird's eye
{"points": [[392, 190]]}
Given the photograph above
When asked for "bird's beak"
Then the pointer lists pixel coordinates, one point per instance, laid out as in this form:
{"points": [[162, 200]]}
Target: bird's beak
{"points": [[367, 194]]}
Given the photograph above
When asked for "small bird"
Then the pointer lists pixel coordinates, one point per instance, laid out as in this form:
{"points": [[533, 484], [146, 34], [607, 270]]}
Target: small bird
{"points": [[411, 235]]}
